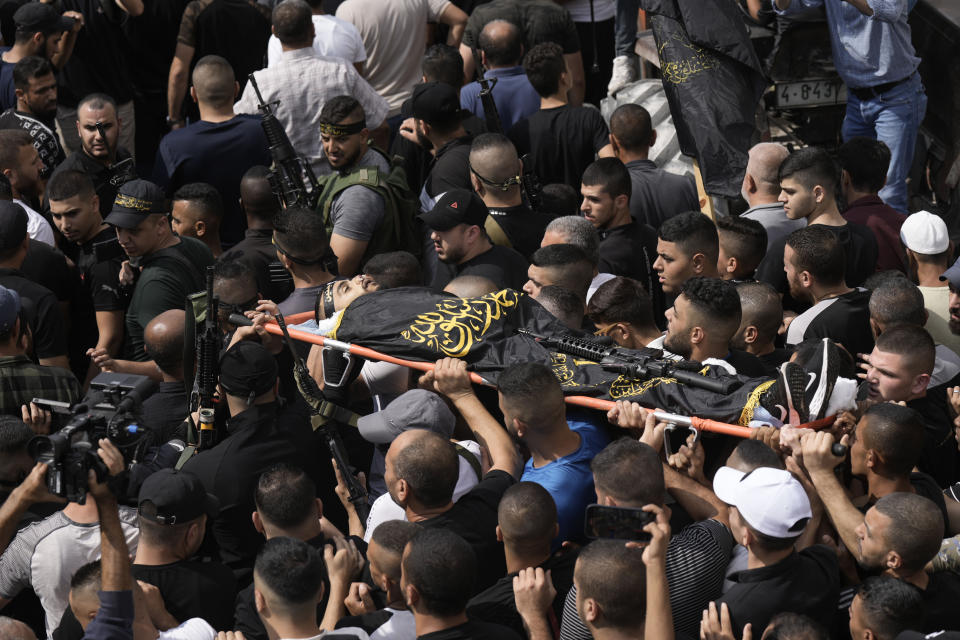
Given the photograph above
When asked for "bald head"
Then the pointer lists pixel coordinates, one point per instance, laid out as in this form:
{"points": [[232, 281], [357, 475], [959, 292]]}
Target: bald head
{"points": [[214, 82], [256, 195], [494, 159], [470, 286], [428, 464], [501, 43], [764, 165], [11, 629], [163, 339]]}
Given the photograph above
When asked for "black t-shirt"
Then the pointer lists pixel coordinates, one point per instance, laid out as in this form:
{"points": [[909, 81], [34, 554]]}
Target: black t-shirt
{"points": [[925, 486], [940, 600], [522, 226], [474, 518], [938, 457], [165, 410], [101, 280], [860, 247], [497, 603], [256, 250], [194, 589], [99, 174], [746, 364], [561, 142], [99, 62], [539, 21], [42, 311], [504, 266], [658, 195], [44, 138], [450, 168], [218, 153], [844, 319], [630, 251], [151, 39], [807, 582], [473, 630], [772, 361]]}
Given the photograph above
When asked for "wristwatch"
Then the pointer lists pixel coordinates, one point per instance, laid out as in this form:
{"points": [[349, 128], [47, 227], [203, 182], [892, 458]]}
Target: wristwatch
{"points": [[173, 121]]}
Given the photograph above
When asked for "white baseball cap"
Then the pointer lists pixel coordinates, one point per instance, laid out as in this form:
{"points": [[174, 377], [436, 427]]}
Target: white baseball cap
{"points": [[770, 500], [925, 233]]}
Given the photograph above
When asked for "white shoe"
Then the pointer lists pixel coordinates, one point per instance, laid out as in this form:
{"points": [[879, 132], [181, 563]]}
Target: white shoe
{"points": [[624, 73]]}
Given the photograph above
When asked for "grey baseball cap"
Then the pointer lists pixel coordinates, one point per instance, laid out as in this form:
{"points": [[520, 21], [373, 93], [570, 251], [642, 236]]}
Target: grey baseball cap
{"points": [[953, 274], [414, 409]]}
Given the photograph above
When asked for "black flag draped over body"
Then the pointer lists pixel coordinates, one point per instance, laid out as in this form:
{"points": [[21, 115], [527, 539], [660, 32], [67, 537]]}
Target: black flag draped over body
{"points": [[419, 324], [713, 81]]}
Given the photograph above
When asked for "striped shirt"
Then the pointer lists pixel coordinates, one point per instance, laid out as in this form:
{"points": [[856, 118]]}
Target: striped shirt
{"points": [[696, 561], [45, 555]]}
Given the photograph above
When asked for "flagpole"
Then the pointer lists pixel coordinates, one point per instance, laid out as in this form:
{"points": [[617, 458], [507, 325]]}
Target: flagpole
{"points": [[706, 202]]}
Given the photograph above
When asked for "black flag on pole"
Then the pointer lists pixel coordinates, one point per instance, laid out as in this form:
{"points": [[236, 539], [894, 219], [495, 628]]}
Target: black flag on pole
{"points": [[713, 82]]}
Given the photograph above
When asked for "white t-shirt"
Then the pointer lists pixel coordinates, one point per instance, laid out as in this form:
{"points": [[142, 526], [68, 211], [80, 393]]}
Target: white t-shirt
{"points": [[580, 9], [192, 629], [394, 33], [384, 508], [37, 226], [333, 38], [598, 280], [399, 626]]}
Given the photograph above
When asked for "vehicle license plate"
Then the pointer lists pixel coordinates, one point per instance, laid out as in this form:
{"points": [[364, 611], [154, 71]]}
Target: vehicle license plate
{"points": [[811, 93]]}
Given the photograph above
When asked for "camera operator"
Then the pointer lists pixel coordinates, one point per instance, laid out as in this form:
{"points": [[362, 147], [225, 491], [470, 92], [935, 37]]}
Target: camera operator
{"points": [[20, 378], [45, 556]]}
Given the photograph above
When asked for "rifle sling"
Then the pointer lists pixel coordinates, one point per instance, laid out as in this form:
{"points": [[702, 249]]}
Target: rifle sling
{"points": [[496, 232], [329, 412]]}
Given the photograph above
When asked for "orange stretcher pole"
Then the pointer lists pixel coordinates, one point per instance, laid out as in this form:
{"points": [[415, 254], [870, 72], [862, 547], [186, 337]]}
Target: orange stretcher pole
{"points": [[581, 401]]}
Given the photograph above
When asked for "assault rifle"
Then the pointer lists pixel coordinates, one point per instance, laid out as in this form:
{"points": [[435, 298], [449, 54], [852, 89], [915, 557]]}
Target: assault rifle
{"points": [[637, 365], [208, 341], [326, 417], [291, 176], [490, 114]]}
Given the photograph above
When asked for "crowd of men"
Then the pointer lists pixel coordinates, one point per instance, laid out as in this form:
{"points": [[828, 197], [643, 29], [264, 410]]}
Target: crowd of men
{"points": [[135, 162]]}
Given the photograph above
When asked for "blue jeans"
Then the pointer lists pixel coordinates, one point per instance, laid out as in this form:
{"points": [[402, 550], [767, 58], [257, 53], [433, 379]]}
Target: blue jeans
{"points": [[626, 36], [892, 117]]}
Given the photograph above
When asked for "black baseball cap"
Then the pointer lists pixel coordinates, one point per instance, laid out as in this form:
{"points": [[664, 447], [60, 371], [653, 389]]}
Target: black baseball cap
{"points": [[172, 497], [248, 370], [457, 206], [436, 103], [13, 225], [135, 201], [37, 16]]}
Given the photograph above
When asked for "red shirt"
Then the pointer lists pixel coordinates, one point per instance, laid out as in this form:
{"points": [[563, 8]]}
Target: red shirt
{"points": [[885, 222]]}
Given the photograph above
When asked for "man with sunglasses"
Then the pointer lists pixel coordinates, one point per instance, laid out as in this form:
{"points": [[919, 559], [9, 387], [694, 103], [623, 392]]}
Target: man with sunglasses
{"points": [[495, 174]]}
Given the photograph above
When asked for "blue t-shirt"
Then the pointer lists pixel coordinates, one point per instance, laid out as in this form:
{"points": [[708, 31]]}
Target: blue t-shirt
{"points": [[218, 153], [513, 94], [569, 479], [8, 98]]}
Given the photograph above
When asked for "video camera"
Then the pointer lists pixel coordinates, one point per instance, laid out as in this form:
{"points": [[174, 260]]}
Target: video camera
{"points": [[109, 410]]}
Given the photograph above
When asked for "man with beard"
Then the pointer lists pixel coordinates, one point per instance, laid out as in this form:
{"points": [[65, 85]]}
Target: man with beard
{"points": [[701, 322], [356, 222], [899, 535], [952, 277], [815, 265], [36, 90], [459, 239], [99, 154]]}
